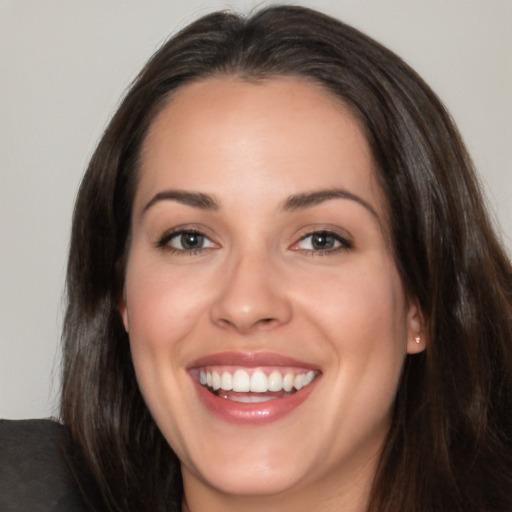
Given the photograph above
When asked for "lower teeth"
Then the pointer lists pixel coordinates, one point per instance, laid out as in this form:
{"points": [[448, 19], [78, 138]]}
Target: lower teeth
{"points": [[249, 398]]}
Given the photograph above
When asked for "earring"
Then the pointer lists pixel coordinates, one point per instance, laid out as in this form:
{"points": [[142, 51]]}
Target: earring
{"points": [[417, 339]]}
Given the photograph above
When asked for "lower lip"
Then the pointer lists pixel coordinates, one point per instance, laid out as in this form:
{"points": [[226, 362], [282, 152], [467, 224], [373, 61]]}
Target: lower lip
{"points": [[257, 413]]}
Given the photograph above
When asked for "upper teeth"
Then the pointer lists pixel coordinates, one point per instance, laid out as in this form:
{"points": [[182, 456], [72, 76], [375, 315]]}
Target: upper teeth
{"points": [[257, 382]]}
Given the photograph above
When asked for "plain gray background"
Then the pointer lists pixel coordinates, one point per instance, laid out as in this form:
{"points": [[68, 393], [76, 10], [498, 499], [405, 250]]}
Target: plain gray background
{"points": [[65, 64]]}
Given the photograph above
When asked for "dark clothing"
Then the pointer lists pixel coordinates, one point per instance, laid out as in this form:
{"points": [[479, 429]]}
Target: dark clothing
{"points": [[34, 474]]}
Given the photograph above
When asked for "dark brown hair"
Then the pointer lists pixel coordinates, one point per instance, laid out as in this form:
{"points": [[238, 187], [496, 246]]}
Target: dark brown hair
{"points": [[449, 447]]}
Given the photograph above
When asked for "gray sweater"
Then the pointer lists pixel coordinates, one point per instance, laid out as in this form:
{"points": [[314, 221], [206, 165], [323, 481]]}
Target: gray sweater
{"points": [[34, 474]]}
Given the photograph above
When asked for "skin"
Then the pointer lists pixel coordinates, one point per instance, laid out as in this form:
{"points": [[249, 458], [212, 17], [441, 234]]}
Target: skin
{"points": [[259, 285]]}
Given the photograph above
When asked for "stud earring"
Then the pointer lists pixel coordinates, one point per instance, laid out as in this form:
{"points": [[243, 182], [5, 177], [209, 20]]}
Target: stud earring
{"points": [[417, 339]]}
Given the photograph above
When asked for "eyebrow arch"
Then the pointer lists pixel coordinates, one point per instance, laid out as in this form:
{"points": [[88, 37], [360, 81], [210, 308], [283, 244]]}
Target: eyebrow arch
{"points": [[194, 199], [309, 199]]}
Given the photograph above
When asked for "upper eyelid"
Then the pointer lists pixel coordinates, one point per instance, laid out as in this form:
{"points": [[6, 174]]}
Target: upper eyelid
{"points": [[326, 231], [187, 228], [165, 238], [345, 240], [337, 232]]}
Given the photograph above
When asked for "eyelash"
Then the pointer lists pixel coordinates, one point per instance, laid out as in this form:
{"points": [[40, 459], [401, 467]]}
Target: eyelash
{"points": [[344, 244], [164, 242]]}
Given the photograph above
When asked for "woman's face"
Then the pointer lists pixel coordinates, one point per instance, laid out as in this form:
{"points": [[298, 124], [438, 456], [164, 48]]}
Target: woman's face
{"points": [[259, 264]]}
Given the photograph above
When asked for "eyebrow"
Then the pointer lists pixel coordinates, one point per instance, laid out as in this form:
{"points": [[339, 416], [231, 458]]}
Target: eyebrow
{"points": [[309, 199], [292, 203], [194, 199]]}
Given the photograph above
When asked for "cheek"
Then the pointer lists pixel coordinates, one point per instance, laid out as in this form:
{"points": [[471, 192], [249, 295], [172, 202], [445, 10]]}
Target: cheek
{"points": [[362, 315], [162, 306], [365, 303]]}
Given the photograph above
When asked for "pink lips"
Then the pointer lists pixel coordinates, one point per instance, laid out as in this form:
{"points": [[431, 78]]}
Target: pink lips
{"points": [[250, 413], [251, 359]]}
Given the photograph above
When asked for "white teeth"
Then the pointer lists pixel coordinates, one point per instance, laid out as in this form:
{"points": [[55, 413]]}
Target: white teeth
{"points": [[215, 381], [288, 382], [275, 381], [226, 381], [252, 398], [298, 383], [259, 382], [241, 381], [309, 377]]}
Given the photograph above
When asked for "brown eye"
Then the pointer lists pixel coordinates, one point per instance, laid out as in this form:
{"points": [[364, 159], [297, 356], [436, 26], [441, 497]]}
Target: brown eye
{"points": [[186, 241], [191, 241], [322, 242]]}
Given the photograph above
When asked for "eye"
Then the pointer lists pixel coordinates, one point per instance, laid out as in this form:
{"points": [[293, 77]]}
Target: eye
{"points": [[186, 241], [322, 242]]}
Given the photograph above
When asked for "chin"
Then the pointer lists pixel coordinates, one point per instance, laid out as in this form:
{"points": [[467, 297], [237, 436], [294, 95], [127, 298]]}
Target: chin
{"points": [[256, 480]]}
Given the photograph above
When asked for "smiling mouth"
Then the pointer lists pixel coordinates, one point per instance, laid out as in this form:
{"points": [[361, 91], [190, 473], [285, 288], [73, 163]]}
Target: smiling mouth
{"points": [[253, 385]]}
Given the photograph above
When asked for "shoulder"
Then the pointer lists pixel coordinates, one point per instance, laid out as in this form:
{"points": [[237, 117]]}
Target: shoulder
{"points": [[34, 474]]}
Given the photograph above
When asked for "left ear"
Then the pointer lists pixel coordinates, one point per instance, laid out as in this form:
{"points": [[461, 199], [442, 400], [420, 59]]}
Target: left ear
{"points": [[416, 332]]}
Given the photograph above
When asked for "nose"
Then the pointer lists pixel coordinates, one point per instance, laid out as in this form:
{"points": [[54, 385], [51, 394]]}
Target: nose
{"points": [[252, 297]]}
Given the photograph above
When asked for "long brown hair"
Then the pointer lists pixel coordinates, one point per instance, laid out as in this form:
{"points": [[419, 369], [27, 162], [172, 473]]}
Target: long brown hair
{"points": [[449, 447]]}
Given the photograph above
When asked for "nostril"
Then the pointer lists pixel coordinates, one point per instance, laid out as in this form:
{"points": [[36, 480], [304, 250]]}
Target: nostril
{"points": [[262, 323]]}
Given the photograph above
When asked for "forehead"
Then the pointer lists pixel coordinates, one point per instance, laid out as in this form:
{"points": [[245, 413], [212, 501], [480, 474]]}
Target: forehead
{"points": [[229, 136]]}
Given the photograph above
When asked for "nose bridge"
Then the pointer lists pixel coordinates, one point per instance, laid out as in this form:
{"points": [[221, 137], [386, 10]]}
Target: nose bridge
{"points": [[252, 295]]}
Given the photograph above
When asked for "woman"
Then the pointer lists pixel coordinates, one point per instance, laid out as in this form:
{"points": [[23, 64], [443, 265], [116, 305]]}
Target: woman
{"points": [[284, 292]]}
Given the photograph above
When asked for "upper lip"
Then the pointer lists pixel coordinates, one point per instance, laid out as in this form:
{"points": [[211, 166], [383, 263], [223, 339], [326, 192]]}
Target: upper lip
{"points": [[249, 360]]}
